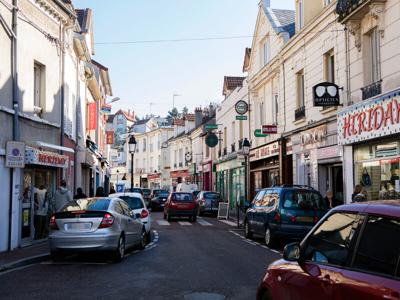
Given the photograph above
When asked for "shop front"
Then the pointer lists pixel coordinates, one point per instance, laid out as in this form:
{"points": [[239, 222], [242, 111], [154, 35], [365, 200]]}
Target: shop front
{"points": [[264, 167], [370, 133], [154, 180], [207, 176], [39, 181], [183, 174]]}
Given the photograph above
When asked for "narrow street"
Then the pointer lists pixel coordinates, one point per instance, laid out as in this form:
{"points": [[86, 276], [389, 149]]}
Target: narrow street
{"points": [[202, 260]]}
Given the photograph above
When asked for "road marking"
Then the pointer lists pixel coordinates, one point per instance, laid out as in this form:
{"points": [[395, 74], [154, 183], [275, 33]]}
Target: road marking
{"points": [[230, 223], [204, 223], [182, 223], [163, 223], [254, 243]]}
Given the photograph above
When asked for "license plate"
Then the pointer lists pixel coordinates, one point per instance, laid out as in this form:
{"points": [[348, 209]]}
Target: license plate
{"points": [[79, 226], [305, 219]]}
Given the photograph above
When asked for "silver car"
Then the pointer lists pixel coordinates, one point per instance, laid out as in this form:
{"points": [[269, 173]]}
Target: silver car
{"points": [[96, 224]]}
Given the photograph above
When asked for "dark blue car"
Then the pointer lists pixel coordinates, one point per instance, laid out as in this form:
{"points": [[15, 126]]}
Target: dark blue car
{"points": [[285, 212]]}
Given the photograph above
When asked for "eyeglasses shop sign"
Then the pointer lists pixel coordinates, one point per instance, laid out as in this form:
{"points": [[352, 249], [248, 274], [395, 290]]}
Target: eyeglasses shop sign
{"points": [[326, 94]]}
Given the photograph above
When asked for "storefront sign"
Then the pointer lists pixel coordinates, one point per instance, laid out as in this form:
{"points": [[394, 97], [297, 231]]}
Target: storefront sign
{"points": [[326, 94], [192, 169], [91, 116], [15, 155], [241, 118], [37, 157], [269, 129], [106, 109], [110, 137], [211, 140], [312, 136], [258, 133], [264, 152], [241, 107], [153, 176], [176, 174], [329, 152], [289, 146], [370, 119]]}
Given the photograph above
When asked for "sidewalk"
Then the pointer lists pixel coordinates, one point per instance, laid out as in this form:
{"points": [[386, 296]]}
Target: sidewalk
{"points": [[24, 256]]}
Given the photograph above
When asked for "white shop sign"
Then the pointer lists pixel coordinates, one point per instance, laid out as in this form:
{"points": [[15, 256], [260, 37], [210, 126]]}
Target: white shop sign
{"points": [[15, 154], [370, 119], [45, 158]]}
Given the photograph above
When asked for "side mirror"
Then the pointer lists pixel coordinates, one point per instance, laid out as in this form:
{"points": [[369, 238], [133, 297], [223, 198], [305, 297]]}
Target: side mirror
{"points": [[292, 252]]}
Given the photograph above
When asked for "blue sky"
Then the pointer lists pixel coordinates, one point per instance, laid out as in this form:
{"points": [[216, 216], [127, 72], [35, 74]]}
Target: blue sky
{"points": [[152, 72]]}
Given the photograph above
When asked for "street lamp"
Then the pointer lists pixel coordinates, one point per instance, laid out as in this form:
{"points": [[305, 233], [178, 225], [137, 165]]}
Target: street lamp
{"points": [[246, 152], [132, 148]]}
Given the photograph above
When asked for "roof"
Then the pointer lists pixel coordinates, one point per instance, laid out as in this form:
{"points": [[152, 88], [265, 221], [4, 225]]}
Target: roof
{"points": [[189, 117], [130, 117], [231, 83], [390, 208], [83, 18], [282, 20], [141, 122], [179, 122], [246, 61], [110, 118]]}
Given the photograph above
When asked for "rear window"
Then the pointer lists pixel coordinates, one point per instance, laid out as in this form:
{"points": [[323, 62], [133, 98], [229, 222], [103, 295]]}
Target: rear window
{"points": [[212, 196], [162, 194], [146, 192], [303, 200], [133, 202], [182, 197], [87, 204]]}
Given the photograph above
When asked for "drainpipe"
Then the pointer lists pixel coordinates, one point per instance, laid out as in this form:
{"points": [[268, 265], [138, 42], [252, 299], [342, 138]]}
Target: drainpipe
{"points": [[77, 119], [15, 102]]}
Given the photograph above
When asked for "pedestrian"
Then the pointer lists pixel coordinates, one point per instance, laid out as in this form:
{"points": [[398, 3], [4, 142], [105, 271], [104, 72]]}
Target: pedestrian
{"points": [[100, 192], [112, 189], [362, 196], [330, 199], [79, 194], [357, 190], [63, 196], [41, 210]]}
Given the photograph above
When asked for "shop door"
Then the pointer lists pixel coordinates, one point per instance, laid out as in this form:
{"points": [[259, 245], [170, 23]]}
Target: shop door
{"points": [[27, 208], [337, 184]]}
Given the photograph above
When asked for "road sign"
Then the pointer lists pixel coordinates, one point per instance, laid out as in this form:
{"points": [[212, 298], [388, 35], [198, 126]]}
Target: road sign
{"points": [[241, 118], [258, 133], [269, 129], [211, 126], [241, 107], [211, 140]]}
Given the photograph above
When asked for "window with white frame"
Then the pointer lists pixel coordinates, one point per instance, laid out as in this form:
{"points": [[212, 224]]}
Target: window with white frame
{"points": [[38, 88], [300, 89], [275, 108], [372, 57], [266, 52], [262, 113], [329, 66]]}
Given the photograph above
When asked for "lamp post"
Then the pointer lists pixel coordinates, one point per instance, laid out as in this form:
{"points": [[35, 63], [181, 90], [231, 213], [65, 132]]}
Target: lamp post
{"points": [[132, 148], [117, 176], [246, 152]]}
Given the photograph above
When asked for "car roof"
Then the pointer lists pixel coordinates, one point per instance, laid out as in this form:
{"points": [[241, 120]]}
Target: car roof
{"points": [[390, 208], [131, 194]]}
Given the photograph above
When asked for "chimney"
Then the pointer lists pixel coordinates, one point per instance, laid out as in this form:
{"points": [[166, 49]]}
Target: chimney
{"points": [[198, 116]]}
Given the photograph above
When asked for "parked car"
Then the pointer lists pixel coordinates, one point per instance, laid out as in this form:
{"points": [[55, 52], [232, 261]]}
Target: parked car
{"points": [[158, 201], [95, 224], [180, 205], [287, 212], [208, 202], [154, 192], [146, 195], [137, 204], [352, 253], [195, 193], [135, 190]]}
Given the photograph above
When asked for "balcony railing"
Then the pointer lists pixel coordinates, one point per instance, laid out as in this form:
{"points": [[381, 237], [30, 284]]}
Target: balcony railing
{"points": [[371, 90], [300, 113], [353, 9], [233, 148]]}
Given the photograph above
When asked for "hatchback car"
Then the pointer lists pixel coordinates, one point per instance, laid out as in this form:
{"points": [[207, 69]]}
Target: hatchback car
{"points": [[180, 205], [136, 203], [95, 224], [352, 253], [146, 195], [208, 202], [158, 201], [284, 212]]}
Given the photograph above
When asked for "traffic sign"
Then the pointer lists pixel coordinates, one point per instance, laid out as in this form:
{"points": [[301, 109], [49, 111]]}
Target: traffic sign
{"points": [[241, 118], [211, 140], [269, 129], [258, 133], [241, 107], [211, 126]]}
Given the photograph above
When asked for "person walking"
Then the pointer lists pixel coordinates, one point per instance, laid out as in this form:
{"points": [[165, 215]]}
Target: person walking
{"points": [[80, 194], [63, 196], [41, 210], [357, 190], [100, 192]]}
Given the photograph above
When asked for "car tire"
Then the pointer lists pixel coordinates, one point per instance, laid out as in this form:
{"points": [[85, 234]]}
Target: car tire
{"points": [[268, 239], [143, 239], [56, 256], [119, 252], [247, 232]]}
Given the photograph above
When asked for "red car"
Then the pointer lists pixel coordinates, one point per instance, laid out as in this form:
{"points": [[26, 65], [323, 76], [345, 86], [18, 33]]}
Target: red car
{"points": [[352, 253], [180, 205]]}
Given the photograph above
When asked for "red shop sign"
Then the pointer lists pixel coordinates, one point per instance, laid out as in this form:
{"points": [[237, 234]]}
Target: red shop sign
{"points": [[91, 116]]}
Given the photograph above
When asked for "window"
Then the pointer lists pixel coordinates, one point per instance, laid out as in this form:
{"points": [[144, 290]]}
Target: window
{"points": [[379, 249], [300, 89], [374, 54], [233, 132], [87, 204], [333, 241], [225, 137], [151, 147], [259, 197], [182, 197], [144, 145], [267, 199], [300, 12], [303, 200], [275, 109], [327, 2], [266, 51], [261, 114], [207, 151], [240, 130], [125, 208], [38, 88], [133, 202], [329, 66], [118, 208]]}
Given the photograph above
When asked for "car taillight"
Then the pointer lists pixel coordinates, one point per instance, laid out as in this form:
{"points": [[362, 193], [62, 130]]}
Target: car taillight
{"points": [[144, 214], [53, 225], [293, 219], [107, 221], [277, 217]]}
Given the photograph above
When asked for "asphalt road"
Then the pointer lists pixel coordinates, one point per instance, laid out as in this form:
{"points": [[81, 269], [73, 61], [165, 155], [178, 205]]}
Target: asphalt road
{"points": [[203, 260]]}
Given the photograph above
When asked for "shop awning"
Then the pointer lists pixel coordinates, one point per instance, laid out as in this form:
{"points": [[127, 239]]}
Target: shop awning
{"points": [[51, 146]]}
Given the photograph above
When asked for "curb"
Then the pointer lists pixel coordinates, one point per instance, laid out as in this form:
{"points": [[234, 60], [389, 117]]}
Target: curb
{"points": [[25, 262]]}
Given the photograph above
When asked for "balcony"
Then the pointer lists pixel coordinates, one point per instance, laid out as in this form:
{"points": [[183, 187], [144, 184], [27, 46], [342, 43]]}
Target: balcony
{"points": [[354, 9], [233, 148], [372, 90], [300, 113]]}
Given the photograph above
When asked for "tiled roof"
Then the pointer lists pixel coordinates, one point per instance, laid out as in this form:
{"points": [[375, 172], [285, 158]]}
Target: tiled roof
{"points": [[130, 117], [233, 82], [179, 122], [282, 20], [190, 117]]}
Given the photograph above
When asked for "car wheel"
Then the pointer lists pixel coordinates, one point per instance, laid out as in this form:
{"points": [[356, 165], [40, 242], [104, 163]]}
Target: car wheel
{"points": [[247, 232], [143, 239], [119, 252], [56, 256], [268, 237]]}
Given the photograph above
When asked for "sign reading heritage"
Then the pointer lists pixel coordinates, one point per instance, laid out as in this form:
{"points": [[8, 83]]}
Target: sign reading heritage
{"points": [[370, 119]]}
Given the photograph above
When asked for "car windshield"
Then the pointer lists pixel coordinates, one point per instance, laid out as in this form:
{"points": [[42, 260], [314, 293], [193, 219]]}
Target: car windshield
{"points": [[146, 192], [212, 196], [88, 205], [137, 190], [303, 200], [182, 197], [133, 202]]}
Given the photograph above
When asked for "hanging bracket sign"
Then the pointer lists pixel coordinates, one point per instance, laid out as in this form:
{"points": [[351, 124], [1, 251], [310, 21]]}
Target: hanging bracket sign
{"points": [[241, 107], [326, 94], [269, 129]]}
